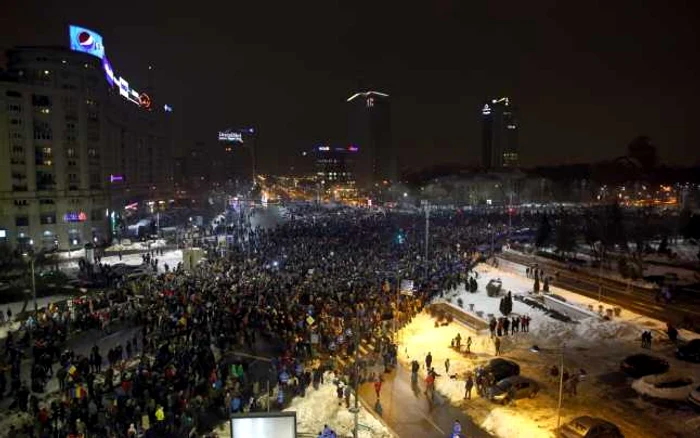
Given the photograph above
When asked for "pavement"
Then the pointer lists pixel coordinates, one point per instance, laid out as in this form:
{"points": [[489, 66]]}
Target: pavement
{"points": [[408, 414]]}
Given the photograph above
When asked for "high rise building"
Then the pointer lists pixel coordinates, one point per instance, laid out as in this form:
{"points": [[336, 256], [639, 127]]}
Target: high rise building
{"points": [[333, 164], [236, 153], [499, 134], [370, 132], [76, 144]]}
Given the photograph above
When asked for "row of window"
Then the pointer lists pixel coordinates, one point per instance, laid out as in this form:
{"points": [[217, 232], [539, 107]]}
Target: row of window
{"points": [[44, 201], [50, 218]]}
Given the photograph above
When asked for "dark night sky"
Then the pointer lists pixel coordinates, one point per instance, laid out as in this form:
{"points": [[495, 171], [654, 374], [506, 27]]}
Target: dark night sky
{"points": [[587, 78]]}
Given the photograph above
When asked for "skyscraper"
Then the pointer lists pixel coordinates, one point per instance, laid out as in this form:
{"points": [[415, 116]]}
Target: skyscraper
{"points": [[370, 131], [499, 134]]}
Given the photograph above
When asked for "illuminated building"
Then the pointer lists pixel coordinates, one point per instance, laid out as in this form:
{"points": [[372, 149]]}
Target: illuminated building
{"points": [[499, 134], [370, 131], [236, 156], [333, 164], [73, 147]]}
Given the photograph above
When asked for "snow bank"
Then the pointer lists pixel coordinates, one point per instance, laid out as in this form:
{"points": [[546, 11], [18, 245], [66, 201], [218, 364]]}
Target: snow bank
{"points": [[321, 407], [649, 386], [509, 422]]}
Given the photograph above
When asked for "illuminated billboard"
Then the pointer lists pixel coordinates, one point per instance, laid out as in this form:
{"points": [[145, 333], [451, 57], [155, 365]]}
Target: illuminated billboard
{"points": [[231, 136], [86, 40], [75, 216], [268, 425]]}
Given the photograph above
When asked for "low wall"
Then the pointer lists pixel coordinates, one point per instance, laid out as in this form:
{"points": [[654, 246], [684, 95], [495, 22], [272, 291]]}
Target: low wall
{"points": [[513, 267], [574, 312], [462, 316]]}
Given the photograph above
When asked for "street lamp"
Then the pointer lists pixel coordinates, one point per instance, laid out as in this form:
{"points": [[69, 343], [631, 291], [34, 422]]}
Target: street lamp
{"points": [[30, 255], [560, 352]]}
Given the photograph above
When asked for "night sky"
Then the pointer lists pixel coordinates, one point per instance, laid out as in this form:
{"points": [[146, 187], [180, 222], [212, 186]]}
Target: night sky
{"points": [[586, 78]]}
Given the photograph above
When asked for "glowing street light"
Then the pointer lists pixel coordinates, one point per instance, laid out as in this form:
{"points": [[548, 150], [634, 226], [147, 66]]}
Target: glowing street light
{"points": [[560, 352]]}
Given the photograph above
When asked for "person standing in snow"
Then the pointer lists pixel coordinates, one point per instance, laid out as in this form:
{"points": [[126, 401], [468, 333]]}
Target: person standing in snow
{"points": [[428, 360], [468, 385], [447, 365], [497, 344]]}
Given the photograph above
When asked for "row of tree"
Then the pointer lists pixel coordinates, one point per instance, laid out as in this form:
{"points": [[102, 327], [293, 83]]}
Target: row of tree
{"points": [[628, 234]]}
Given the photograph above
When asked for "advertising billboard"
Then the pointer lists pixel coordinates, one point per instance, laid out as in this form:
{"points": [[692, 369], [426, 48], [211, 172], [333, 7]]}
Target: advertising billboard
{"points": [[86, 40], [268, 425], [231, 136]]}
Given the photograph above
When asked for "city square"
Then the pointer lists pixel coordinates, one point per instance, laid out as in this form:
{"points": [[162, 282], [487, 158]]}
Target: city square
{"points": [[264, 231]]}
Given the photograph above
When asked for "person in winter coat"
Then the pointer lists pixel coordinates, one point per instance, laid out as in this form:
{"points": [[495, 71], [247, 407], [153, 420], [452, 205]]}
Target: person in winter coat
{"points": [[378, 387], [468, 385], [428, 360]]}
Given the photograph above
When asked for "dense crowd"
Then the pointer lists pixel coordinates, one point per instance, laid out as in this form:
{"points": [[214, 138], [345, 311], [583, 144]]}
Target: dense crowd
{"points": [[311, 288]]}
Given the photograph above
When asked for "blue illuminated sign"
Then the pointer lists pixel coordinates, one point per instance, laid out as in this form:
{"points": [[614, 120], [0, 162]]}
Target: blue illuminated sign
{"points": [[86, 40], [109, 72]]}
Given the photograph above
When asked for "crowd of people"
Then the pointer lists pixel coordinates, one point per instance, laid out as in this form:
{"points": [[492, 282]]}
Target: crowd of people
{"points": [[311, 289]]}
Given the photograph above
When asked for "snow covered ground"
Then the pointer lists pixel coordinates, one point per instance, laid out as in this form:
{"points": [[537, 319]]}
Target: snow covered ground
{"points": [[593, 344], [321, 407], [169, 257], [127, 245]]}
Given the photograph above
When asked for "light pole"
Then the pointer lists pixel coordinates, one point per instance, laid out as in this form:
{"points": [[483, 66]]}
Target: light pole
{"points": [[426, 205], [560, 352], [356, 409], [396, 311], [30, 255]]}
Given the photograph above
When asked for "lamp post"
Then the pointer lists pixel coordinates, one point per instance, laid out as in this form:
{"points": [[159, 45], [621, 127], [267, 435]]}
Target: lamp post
{"points": [[30, 255], [356, 409], [560, 353]]}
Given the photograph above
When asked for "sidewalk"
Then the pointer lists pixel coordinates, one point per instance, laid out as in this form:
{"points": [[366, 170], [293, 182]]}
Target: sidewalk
{"points": [[407, 413]]}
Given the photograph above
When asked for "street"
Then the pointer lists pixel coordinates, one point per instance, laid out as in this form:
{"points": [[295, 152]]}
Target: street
{"points": [[408, 414]]}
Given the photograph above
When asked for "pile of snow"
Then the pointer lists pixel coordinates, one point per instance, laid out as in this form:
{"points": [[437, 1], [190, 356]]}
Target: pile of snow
{"points": [[321, 407], [588, 331], [510, 422], [668, 386]]}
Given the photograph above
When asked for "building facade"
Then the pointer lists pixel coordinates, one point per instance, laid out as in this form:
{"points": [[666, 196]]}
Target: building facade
{"points": [[370, 132], [72, 150], [499, 134], [333, 165]]}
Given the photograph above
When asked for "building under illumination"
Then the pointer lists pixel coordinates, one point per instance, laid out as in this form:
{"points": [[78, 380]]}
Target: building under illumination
{"points": [[370, 131], [76, 144], [499, 134], [333, 164]]}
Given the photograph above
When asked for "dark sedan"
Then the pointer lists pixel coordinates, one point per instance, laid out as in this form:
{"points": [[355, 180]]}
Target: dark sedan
{"points": [[640, 365], [589, 427], [502, 368], [689, 351], [513, 388]]}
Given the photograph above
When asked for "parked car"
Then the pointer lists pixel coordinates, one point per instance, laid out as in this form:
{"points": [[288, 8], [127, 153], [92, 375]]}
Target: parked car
{"points": [[694, 397], [513, 388], [689, 351], [589, 427], [502, 369], [640, 365]]}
